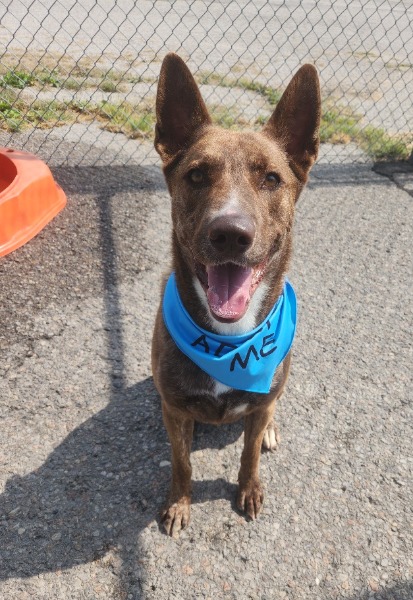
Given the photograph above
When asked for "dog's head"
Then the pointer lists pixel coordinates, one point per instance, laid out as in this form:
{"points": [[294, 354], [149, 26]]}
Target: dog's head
{"points": [[233, 193]]}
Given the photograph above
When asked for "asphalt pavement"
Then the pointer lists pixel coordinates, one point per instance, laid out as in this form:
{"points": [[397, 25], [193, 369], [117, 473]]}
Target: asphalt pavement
{"points": [[84, 458]]}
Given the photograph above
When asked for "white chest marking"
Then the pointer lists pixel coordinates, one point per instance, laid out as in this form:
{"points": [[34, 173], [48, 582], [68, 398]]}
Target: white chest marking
{"points": [[220, 388], [240, 409]]}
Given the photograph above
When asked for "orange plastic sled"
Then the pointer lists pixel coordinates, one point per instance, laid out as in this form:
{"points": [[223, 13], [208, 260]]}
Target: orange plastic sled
{"points": [[29, 198]]}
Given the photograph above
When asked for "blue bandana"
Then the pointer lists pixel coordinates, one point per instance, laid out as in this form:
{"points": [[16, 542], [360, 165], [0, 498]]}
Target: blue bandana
{"points": [[244, 362]]}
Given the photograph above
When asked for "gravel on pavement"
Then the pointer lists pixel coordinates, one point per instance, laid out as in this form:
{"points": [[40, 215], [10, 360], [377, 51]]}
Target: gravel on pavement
{"points": [[83, 452]]}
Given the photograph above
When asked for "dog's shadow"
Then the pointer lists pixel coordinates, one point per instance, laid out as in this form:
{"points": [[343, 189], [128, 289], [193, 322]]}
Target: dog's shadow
{"points": [[98, 489], [103, 484]]}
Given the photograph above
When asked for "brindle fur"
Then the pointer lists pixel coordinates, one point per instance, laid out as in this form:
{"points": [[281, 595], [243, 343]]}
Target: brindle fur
{"points": [[235, 163]]}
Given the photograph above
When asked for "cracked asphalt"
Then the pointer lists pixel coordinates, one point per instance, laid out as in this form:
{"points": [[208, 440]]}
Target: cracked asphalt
{"points": [[83, 452]]}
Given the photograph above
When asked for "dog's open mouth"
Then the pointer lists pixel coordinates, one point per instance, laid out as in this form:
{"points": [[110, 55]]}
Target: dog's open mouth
{"points": [[229, 288]]}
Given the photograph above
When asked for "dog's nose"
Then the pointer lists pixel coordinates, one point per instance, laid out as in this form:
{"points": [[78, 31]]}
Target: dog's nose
{"points": [[231, 233]]}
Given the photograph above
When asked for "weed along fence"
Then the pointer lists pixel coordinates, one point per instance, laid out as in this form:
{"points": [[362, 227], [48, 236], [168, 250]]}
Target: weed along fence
{"points": [[87, 70]]}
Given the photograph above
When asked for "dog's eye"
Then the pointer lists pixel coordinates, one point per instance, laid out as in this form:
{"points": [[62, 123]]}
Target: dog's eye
{"points": [[272, 179], [196, 176]]}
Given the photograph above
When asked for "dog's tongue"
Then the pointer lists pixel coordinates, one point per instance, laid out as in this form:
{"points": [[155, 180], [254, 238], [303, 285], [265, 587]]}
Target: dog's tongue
{"points": [[228, 290]]}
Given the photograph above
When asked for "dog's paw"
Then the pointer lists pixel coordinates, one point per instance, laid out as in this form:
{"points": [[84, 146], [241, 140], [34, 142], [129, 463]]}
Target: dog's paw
{"points": [[272, 438], [250, 499], [175, 517]]}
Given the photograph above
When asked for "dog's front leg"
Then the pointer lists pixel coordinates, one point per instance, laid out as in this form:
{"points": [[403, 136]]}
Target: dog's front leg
{"points": [[250, 495], [180, 428]]}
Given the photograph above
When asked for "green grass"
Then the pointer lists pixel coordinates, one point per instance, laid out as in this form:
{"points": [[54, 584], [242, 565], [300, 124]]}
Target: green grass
{"points": [[338, 125], [225, 117], [15, 115], [261, 120], [10, 118], [17, 79], [108, 86], [270, 94], [71, 83], [80, 106], [48, 113], [49, 78], [378, 144], [122, 117], [126, 118]]}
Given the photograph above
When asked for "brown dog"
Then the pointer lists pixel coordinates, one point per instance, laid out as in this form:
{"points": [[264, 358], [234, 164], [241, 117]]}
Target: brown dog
{"points": [[233, 195]]}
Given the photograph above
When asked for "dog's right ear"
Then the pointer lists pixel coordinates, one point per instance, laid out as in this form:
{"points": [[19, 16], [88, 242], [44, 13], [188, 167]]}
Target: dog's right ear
{"points": [[180, 109]]}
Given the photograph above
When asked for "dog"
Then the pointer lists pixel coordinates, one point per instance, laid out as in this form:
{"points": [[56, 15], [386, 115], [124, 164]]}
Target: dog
{"points": [[233, 196]]}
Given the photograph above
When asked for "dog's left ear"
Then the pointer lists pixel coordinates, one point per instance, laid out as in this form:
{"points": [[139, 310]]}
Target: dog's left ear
{"points": [[295, 121]]}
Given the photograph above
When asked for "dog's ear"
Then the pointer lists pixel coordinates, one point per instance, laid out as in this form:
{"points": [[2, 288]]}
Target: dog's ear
{"points": [[180, 109], [295, 121]]}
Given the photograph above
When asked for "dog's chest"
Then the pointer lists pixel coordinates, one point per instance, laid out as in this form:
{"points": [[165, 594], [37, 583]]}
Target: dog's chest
{"points": [[216, 402], [207, 399]]}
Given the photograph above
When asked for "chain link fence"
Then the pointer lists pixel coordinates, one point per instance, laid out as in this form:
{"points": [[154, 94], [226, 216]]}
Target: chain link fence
{"points": [[85, 72]]}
